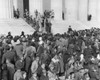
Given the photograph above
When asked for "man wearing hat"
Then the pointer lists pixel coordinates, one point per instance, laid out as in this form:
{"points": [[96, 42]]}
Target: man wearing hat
{"points": [[9, 36], [19, 49], [88, 52], [35, 65], [30, 50], [40, 49], [19, 64], [24, 43], [9, 54], [11, 69], [18, 75]]}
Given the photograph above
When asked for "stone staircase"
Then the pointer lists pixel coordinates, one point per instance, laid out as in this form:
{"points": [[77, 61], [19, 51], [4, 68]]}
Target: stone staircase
{"points": [[93, 23], [62, 26], [15, 26]]}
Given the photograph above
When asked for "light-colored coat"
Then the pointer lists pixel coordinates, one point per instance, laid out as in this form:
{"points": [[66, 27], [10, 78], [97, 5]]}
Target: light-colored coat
{"points": [[34, 67]]}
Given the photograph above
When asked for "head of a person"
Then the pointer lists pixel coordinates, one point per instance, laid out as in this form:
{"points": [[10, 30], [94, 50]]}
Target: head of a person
{"points": [[37, 58], [51, 67], [22, 33], [69, 26], [25, 9], [9, 33], [7, 61]]}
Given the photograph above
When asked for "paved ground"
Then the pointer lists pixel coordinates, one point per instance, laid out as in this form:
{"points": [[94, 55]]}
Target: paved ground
{"points": [[15, 26]]}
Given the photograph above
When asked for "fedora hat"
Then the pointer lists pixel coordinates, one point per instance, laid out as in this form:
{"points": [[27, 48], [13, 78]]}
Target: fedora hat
{"points": [[19, 64]]}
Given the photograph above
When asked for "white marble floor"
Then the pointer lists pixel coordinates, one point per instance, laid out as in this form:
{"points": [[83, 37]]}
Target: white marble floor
{"points": [[15, 26], [62, 26]]}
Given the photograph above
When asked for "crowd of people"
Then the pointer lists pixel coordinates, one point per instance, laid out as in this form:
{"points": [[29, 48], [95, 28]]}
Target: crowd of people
{"points": [[40, 22], [74, 55]]}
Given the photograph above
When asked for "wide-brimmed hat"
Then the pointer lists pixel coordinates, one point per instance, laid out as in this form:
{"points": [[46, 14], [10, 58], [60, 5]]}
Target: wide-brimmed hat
{"points": [[19, 64]]}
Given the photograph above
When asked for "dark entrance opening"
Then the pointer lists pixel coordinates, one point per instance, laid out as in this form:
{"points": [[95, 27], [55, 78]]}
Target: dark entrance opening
{"points": [[26, 5]]}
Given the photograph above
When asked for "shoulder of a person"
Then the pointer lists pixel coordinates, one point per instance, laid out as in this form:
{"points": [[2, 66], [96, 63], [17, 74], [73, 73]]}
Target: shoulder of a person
{"points": [[34, 62], [32, 47], [17, 73]]}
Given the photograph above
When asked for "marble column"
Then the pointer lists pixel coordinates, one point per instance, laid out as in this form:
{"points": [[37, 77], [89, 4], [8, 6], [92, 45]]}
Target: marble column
{"points": [[11, 15], [20, 7], [71, 8], [56, 6], [6, 9], [35, 5], [93, 9], [83, 10], [46, 5], [15, 4], [98, 10], [18, 4]]}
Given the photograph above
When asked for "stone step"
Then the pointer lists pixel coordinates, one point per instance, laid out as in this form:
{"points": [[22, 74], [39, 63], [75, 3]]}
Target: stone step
{"points": [[62, 26], [15, 26], [93, 23]]}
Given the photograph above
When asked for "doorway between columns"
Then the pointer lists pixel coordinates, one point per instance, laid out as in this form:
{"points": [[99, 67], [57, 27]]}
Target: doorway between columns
{"points": [[26, 5]]}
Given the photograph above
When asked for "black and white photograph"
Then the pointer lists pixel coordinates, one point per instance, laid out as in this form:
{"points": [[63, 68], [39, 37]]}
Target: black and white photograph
{"points": [[49, 39]]}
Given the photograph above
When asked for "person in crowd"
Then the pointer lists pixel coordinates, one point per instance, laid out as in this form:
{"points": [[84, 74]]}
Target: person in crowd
{"points": [[18, 74], [69, 29], [40, 49], [35, 65], [4, 72], [26, 14], [9, 36], [61, 64], [51, 73], [40, 70], [9, 54], [34, 77], [36, 13], [16, 13], [44, 75], [22, 34], [11, 69], [19, 49], [30, 50]]}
